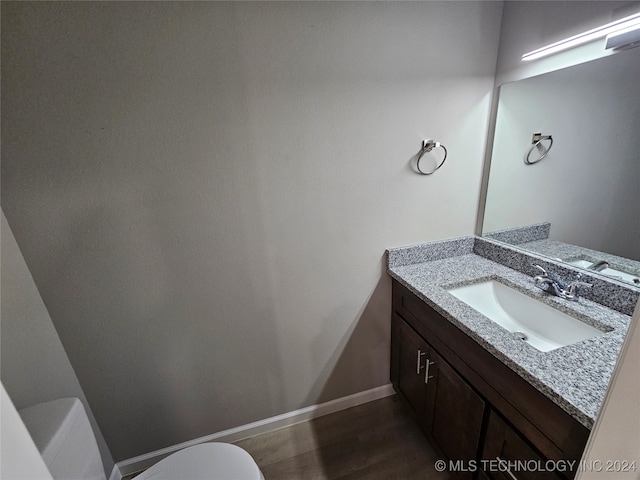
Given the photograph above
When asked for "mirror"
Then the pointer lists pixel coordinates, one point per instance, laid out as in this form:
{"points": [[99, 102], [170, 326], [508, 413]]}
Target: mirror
{"points": [[581, 203]]}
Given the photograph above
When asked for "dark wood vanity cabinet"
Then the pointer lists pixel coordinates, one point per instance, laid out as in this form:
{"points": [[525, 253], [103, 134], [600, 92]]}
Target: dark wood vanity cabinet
{"points": [[473, 408], [505, 450], [448, 410], [409, 354], [454, 413]]}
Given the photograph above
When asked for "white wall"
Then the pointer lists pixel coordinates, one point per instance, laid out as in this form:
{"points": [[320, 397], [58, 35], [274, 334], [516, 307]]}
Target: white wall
{"points": [[587, 184], [33, 364], [613, 451], [204, 191]]}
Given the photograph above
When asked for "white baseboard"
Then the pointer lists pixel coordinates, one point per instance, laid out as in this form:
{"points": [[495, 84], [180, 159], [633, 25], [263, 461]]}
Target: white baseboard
{"points": [[143, 462]]}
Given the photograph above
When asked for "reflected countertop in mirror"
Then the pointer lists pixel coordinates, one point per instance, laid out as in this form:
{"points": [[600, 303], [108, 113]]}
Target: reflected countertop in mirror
{"points": [[535, 239], [585, 191]]}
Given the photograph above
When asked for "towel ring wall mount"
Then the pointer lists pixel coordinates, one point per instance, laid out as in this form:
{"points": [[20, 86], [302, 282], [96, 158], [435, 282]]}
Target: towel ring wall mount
{"points": [[536, 141], [427, 146]]}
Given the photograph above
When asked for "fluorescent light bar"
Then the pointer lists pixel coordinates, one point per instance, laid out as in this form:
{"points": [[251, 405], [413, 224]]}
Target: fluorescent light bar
{"points": [[628, 37], [585, 37]]}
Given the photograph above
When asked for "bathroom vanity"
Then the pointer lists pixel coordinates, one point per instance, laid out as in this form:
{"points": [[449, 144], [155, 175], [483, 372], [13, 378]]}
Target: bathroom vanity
{"points": [[486, 393], [483, 397]]}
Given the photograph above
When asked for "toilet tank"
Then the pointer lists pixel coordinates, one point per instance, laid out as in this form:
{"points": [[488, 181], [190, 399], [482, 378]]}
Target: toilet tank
{"points": [[62, 432]]}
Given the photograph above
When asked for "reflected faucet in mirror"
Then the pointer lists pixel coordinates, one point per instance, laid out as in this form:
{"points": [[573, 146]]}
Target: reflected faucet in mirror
{"points": [[598, 266]]}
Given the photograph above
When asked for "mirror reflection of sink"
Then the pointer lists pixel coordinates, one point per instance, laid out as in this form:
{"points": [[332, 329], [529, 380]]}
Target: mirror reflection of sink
{"points": [[612, 272], [540, 325]]}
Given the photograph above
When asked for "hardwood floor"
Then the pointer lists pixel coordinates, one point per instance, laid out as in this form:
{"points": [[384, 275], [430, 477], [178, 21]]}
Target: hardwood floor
{"points": [[377, 440]]}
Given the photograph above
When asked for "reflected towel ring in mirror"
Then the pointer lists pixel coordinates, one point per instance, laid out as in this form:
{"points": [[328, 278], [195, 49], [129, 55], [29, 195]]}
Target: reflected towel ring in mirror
{"points": [[536, 141], [427, 146]]}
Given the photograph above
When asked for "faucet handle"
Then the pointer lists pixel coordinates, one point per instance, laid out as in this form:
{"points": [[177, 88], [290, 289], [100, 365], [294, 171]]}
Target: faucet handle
{"points": [[542, 270]]}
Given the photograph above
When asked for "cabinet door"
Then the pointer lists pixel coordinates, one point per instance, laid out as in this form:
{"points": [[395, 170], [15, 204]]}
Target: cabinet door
{"points": [[408, 359], [482, 475], [454, 412], [507, 456]]}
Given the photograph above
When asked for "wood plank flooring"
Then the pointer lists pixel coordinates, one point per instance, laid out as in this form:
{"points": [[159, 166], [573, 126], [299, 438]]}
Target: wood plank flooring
{"points": [[375, 441], [378, 440]]}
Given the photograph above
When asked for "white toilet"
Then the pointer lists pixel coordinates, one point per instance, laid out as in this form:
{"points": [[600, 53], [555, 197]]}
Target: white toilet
{"points": [[205, 461], [62, 432]]}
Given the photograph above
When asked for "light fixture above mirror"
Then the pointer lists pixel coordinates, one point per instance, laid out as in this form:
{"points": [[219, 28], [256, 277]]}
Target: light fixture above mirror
{"points": [[626, 38], [629, 25]]}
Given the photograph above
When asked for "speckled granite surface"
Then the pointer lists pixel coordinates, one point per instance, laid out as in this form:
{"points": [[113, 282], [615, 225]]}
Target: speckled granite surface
{"points": [[519, 235], [425, 252], [535, 239], [575, 377]]}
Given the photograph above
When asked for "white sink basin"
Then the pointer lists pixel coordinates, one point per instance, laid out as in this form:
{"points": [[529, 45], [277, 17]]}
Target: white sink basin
{"points": [[540, 325], [612, 272]]}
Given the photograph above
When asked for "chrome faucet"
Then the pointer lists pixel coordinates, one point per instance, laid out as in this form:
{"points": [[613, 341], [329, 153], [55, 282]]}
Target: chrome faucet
{"points": [[552, 284]]}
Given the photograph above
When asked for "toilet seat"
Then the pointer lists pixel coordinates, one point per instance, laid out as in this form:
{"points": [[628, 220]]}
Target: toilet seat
{"points": [[206, 461]]}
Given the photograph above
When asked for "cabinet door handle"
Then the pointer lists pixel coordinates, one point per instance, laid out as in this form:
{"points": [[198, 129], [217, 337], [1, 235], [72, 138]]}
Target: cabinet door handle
{"points": [[419, 365], [507, 470], [426, 373]]}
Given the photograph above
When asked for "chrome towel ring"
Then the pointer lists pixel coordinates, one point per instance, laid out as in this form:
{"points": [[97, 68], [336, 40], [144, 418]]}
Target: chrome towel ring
{"points": [[536, 141], [427, 146]]}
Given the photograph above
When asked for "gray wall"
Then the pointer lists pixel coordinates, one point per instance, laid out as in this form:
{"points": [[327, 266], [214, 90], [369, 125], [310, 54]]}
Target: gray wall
{"points": [[203, 192], [33, 364]]}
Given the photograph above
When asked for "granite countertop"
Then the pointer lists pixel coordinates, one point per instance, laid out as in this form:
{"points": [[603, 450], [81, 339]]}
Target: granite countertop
{"points": [[575, 377]]}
